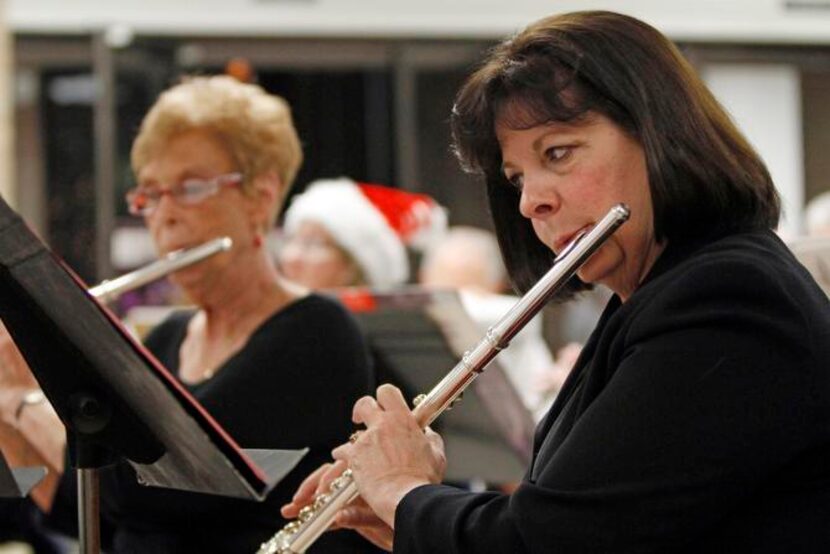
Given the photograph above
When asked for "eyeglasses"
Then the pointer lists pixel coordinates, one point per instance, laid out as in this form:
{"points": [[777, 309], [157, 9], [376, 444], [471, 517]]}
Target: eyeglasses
{"points": [[144, 200]]}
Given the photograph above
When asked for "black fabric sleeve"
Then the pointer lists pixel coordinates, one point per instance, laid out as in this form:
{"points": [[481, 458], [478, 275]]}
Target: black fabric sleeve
{"points": [[470, 515], [714, 390]]}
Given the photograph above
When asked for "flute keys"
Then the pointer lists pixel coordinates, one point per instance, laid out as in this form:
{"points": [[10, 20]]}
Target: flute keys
{"points": [[418, 399], [283, 543], [341, 481], [292, 527], [269, 547], [279, 543], [320, 501], [305, 513]]}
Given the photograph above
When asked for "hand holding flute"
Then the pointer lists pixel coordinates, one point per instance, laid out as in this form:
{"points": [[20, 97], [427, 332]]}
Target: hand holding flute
{"points": [[393, 455]]}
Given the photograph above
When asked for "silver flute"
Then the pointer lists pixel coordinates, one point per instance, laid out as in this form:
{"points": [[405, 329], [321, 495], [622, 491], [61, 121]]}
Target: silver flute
{"points": [[108, 291], [298, 535]]}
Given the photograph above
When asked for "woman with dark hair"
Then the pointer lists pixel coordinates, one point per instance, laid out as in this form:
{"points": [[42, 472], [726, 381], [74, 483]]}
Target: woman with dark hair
{"points": [[697, 418]]}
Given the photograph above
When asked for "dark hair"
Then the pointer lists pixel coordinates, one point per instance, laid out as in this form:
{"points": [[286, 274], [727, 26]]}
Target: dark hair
{"points": [[705, 178]]}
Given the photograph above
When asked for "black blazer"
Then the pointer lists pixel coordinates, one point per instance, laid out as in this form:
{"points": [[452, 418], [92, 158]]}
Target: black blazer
{"points": [[697, 419]]}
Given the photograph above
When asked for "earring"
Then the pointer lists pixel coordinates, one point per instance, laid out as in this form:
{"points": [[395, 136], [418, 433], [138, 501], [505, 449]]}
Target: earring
{"points": [[257, 240]]}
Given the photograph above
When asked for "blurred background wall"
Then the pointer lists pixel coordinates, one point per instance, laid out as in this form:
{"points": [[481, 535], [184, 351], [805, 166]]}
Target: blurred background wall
{"points": [[371, 83], [8, 187]]}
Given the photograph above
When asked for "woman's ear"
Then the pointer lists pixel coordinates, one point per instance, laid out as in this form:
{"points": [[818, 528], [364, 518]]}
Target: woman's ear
{"points": [[267, 195]]}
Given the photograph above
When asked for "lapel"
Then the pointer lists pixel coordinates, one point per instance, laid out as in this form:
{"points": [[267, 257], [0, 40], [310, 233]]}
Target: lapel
{"points": [[590, 373], [563, 407]]}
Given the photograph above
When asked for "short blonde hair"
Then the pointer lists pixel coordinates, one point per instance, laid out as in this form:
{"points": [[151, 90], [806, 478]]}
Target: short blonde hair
{"points": [[256, 126]]}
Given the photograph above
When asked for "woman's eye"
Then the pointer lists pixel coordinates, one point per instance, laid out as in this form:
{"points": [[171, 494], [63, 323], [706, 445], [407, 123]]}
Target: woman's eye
{"points": [[516, 181], [557, 153]]}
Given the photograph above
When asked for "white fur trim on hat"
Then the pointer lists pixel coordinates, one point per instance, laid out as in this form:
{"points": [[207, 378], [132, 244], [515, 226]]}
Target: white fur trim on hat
{"points": [[356, 225]]}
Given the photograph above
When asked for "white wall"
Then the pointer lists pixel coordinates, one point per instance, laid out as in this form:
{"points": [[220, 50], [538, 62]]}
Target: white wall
{"points": [[699, 20], [765, 102]]}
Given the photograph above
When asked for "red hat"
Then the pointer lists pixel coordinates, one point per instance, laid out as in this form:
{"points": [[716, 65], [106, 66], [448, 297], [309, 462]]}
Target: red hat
{"points": [[373, 223]]}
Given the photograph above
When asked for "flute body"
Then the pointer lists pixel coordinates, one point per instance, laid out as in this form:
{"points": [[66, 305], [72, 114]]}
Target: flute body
{"points": [[298, 535], [108, 291]]}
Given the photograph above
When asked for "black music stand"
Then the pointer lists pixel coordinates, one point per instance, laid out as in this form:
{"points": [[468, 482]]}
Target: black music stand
{"points": [[115, 399], [416, 336]]}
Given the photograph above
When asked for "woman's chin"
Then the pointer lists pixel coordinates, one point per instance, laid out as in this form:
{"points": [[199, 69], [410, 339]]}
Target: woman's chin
{"points": [[591, 270], [188, 280], [598, 269], [586, 276]]}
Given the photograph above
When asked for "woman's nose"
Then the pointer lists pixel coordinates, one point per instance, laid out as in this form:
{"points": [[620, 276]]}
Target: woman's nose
{"points": [[539, 197], [165, 208]]}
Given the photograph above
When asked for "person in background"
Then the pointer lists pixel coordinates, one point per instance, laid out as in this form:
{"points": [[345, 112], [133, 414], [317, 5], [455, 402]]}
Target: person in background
{"points": [[813, 249], [275, 365], [21, 519], [817, 216], [468, 259], [341, 233], [697, 418]]}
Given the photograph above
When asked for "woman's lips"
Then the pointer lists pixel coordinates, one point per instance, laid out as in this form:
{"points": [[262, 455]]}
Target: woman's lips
{"points": [[174, 247], [563, 240]]}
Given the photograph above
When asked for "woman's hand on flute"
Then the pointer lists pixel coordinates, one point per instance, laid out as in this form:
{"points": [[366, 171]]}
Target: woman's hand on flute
{"points": [[360, 517], [316, 483], [393, 455], [357, 515]]}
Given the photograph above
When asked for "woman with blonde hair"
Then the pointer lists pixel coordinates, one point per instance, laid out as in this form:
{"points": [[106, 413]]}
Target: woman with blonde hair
{"points": [[215, 157]]}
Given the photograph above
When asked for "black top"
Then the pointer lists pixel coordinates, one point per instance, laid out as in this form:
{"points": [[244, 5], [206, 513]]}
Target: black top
{"points": [[293, 385], [697, 419]]}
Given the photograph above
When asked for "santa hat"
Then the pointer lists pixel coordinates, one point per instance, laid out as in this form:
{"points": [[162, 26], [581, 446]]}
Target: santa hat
{"points": [[374, 224]]}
